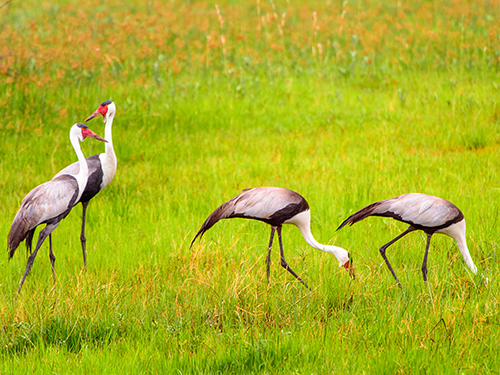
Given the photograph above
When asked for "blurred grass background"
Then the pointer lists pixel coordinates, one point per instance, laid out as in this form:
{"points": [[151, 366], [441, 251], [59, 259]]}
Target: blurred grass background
{"points": [[344, 102]]}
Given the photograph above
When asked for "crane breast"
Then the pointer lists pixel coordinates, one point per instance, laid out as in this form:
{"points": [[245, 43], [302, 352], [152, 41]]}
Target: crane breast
{"points": [[108, 166]]}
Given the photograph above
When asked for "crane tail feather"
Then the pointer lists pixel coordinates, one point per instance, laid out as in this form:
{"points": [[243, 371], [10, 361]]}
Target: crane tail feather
{"points": [[200, 234], [224, 211], [20, 230], [374, 209], [16, 236]]}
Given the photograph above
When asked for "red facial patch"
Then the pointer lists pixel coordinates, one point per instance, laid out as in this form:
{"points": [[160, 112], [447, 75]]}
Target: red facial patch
{"points": [[103, 110], [86, 132]]}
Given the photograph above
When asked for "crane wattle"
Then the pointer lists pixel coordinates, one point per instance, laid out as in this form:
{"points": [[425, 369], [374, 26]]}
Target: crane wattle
{"points": [[86, 132], [103, 110]]}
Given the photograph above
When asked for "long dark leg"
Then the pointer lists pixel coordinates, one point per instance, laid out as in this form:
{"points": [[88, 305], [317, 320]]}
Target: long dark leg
{"points": [[268, 259], [41, 237], [424, 264], [52, 259], [284, 264], [383, 248], [82, 235]]}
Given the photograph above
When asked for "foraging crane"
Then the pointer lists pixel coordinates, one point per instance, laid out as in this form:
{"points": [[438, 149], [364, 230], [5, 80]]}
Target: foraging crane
{"points": [[49, 203], [101, 167], [422, 212], [275, 206]]}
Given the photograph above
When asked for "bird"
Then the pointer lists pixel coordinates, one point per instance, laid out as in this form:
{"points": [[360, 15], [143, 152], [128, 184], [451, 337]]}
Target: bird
{"points": [[275, 206], [102, 167], [49, 203], [423, 212]]}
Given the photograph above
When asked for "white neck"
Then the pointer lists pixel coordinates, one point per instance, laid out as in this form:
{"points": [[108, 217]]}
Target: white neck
{"points": [[462, 246], [303, 222], [108, 134], [457, 232], [83, 174], [108, 159]]}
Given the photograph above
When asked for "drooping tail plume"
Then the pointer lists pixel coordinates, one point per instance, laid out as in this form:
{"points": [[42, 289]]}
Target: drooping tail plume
{"points": [[18, 232], [223, 212], [379, 208]]}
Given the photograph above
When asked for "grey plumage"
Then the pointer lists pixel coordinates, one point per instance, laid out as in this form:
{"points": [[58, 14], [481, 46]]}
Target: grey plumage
{"points": [[268, 204], [421, 212], [46, 202]]}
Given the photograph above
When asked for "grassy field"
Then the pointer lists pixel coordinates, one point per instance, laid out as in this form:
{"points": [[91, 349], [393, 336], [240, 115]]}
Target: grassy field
{"points": [[344, 102]]}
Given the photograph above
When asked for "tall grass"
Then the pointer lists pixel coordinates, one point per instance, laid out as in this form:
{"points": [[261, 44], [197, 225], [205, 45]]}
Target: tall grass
{"points": [[345, 102]]}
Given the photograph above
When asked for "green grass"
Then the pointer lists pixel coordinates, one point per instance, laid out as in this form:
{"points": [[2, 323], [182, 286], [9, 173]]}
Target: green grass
{"points": [[187, 142]]}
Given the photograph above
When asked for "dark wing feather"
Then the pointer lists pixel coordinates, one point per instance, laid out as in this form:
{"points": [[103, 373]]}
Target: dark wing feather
{"points": [[268, 204], [95, 179]]}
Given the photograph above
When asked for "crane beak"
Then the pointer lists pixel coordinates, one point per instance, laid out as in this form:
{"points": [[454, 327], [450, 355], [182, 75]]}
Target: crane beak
{"points": [[95, 114], [102, 110], [348, 266], [91, 134]]}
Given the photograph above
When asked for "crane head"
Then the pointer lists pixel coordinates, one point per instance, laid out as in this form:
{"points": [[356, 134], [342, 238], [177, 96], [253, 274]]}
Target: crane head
{"points": [[86, 132], [105, 109], [348, 266]]}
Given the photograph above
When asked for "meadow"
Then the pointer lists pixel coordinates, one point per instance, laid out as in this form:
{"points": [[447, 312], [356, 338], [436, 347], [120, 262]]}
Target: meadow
{"points": [[345, 102]]}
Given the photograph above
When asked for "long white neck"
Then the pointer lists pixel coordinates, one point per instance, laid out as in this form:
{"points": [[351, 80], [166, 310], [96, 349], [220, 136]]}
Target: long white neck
{"points": [[457, 232], [108, 135], [462, 246], [303, 222], [83, 174], [108, 159]]}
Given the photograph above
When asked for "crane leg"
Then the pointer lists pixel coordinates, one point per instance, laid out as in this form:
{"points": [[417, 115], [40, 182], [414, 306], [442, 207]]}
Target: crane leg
{"points": [[52, 258], [82, 235], [268, 259], [284, 263], [424, 264], [383, 248], [41, 237]]}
